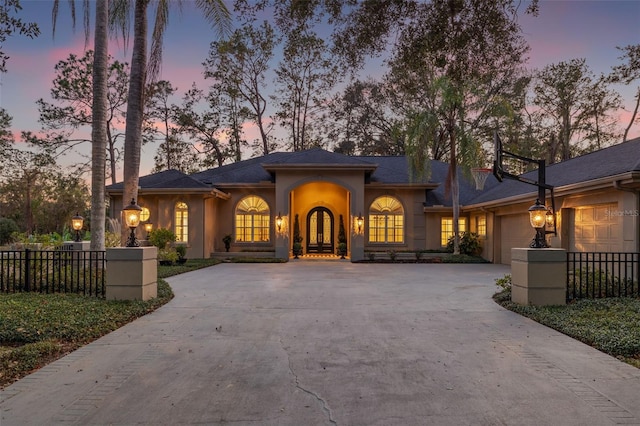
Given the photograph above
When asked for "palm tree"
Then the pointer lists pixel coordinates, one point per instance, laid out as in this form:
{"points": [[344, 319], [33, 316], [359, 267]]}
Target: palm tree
{"points": [[99, 132], [214, 11], [99, 116], [443, 124]]}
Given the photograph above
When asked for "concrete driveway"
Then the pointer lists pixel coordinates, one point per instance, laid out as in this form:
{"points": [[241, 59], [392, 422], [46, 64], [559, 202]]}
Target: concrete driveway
{"points": [[321, 343]]}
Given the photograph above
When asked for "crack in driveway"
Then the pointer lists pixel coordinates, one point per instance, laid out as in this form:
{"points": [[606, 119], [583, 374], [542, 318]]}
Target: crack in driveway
{"points": [[322, 401]]}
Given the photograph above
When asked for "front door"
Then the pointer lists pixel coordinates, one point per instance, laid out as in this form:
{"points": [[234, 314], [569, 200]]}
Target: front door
{"points": [[320, 231]]}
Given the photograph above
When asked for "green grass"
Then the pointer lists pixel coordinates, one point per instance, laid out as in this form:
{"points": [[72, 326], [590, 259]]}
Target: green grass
{"points": [[191, 265], [611, 325], [36, 329]]}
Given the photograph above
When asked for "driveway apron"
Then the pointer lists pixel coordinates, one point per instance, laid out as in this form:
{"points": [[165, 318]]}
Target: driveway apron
{"points": [[330, 343]]}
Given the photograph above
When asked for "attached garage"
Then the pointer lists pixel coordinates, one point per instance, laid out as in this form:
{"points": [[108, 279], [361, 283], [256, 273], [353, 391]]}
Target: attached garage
{"points": [[515, 231], [597, 228]]}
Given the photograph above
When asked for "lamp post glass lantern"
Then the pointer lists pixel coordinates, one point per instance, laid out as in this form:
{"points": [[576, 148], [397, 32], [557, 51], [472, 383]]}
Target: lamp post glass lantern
{"points": [[359, 223], [76, 223], [132, 220], [538, 220], [279, 222]]}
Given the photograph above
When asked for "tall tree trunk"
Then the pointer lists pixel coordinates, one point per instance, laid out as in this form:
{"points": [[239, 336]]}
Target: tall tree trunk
{"points": [[135, 105], [455, 190], [99, 125], [633, 117]]}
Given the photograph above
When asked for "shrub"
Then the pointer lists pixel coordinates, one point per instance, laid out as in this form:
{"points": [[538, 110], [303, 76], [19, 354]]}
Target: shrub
{"points": [[111, 239], [469, 244], [504, 283], [168, 255], [161, 237], [7, 228], [419, 254], [181, 249]]}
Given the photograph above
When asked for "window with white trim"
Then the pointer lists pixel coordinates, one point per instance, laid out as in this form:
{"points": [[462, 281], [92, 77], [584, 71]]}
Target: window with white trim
{"points": [[181, 223], [252, 220], [446, 229], [386, 220]]}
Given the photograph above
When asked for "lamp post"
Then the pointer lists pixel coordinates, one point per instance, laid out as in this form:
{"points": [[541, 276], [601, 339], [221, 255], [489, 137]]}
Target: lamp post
{"points": [[148, 227], [76, 223], [132, 220], [538, 218]]}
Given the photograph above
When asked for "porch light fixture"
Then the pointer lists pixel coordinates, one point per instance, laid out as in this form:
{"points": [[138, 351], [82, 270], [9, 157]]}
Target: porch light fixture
{"points": [[538, 219], [132, 220], [148, 227], [359, 223], [76, 223], [279, 222]]}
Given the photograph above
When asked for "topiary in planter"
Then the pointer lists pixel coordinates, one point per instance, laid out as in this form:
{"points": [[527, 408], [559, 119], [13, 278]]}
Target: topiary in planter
{"points": [[297, 239], [227, 241], [342, 240]]}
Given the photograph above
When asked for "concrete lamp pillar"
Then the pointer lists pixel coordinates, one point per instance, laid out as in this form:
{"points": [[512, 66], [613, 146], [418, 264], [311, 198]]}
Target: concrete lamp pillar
{"points": [[132, 273], [538, 276]]}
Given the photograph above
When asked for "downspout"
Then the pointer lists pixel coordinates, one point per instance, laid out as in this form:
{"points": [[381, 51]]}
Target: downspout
{"points": [[619, 187]]}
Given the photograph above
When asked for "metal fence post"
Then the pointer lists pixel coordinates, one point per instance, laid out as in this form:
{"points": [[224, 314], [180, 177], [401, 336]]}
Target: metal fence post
{"points": [[27, 270]]}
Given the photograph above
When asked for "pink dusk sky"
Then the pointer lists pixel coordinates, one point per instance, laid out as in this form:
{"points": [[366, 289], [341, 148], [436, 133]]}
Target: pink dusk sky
{"points": [[564, 30]]}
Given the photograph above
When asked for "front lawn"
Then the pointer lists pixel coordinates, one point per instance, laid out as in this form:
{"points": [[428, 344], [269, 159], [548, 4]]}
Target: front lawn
{"points": [[36, 329]]}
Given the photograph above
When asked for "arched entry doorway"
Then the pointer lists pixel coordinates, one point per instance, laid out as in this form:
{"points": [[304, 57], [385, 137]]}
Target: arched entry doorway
{"points": [[320, 231]]}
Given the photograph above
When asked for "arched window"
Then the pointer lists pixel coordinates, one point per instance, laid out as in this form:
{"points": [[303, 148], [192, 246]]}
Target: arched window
{"points": [[252, 220], [386, 220], [181, 222]]}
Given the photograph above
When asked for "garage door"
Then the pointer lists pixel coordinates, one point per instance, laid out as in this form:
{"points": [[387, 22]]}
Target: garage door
{"points": [[515, 231], [597, 228]]}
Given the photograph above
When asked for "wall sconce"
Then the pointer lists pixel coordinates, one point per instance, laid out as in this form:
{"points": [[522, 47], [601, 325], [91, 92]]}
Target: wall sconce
{"points": [[148, 227], [538, 219], [76, 223], [282, 227], [359, 224], [132, 220]]}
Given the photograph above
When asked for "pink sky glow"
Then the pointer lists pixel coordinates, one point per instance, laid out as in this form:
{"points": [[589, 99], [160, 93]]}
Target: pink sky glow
{"points": [[564, 30]]}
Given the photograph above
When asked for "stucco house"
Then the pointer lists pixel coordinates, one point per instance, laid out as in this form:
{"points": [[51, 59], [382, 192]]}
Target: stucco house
{"points": [[382, 207]]}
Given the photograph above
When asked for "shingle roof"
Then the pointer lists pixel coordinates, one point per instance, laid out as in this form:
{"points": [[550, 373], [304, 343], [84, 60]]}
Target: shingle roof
{"points": [[315, 156], [168, 179], [610, 161]]}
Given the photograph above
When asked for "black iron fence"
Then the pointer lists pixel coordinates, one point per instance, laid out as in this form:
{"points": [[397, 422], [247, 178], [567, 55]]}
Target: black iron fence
{"points": [[594, 275], [53, 271]]}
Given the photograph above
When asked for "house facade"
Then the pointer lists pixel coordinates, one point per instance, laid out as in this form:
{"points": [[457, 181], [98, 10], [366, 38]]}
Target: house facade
{"points": [[382, 207]]}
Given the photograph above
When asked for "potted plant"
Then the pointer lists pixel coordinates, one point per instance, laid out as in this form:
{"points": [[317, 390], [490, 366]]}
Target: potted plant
{"points": [[297, 239], [227, 241], [181, 251], [342, 240]]}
